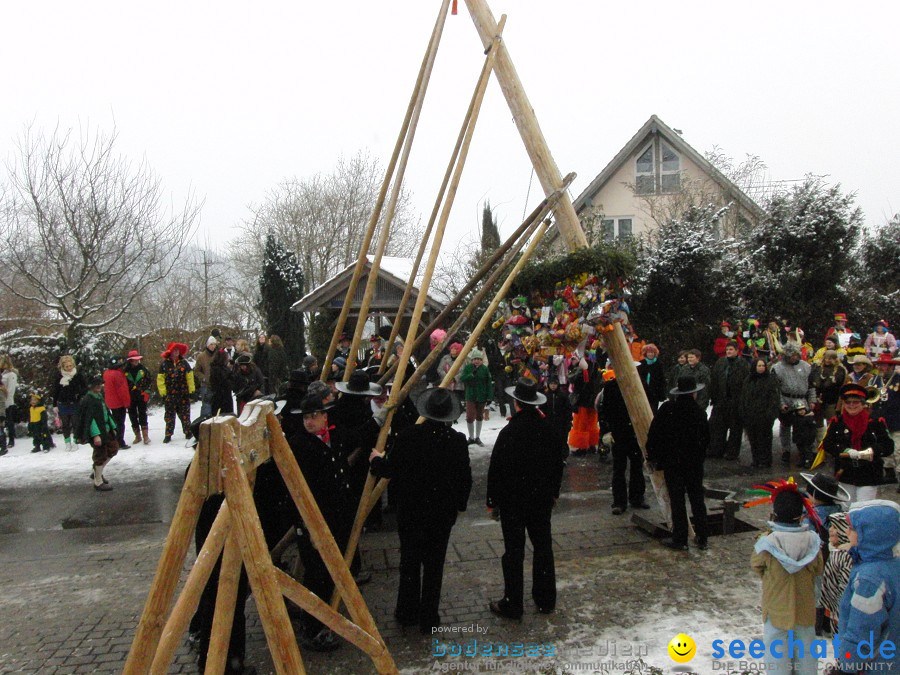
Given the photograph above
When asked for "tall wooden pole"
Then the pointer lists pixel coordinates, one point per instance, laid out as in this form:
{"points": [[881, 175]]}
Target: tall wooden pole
{"points": [[526, 121], [379, 202], [385, 233]]}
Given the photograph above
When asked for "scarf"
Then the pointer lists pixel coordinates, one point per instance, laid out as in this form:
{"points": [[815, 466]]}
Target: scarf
{"points": [[857, 424], [324, 435], [66, 377]]}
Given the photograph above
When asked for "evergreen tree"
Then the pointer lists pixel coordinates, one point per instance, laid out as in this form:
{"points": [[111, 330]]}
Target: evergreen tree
{"points": [[490, 234], [801, 260], [875, 292], [281, 285], [686, 281]]}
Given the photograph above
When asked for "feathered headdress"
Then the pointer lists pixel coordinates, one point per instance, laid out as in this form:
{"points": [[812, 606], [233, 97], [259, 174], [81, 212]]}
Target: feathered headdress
{"points": [[773, 488]]}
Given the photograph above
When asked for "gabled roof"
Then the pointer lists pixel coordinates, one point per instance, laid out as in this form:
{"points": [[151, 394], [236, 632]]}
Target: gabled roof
{"points": [[393, 275], [655, 126]]}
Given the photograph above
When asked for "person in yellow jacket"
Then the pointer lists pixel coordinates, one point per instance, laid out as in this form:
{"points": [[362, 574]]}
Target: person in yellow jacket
{"points": [[175, 383]]}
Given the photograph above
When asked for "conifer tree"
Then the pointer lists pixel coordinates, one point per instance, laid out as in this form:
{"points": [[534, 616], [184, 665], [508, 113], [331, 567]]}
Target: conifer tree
{"points": [[281, 284]]}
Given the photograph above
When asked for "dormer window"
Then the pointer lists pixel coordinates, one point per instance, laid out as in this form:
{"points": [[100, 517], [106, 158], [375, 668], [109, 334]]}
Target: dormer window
{"points": [[670, 171], [644, 178]]}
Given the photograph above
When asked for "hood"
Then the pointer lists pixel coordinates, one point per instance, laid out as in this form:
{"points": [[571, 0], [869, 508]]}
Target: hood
{"points": [[877, 523], [794, 547]]}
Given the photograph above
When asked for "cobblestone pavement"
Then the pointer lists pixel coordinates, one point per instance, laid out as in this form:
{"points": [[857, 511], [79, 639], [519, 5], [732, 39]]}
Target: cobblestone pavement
{"points": [[72, 597]]}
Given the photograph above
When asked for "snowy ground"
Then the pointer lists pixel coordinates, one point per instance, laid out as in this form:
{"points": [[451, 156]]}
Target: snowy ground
{"points": [[22, 468]]}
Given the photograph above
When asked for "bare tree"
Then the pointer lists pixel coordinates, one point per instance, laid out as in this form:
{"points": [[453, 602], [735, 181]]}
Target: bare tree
{"points": [[322, 219], [84, 231]]}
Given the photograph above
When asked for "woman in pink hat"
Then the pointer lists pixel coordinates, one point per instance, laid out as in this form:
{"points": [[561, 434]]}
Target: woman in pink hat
{"points": [[139, 381]]}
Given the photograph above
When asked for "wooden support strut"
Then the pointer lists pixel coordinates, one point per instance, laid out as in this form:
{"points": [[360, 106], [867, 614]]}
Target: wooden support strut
{"points": [[385, 233], [379, 202], [526, 121]]}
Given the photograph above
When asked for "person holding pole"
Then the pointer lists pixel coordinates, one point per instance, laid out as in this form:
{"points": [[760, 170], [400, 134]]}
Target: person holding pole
{"points": [[430, 463], [524, 478]]}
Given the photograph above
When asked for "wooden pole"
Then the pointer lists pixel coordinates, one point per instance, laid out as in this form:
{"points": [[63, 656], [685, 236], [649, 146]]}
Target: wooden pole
{"points": [[469, 126], [168, 571], [385, 233], [526, 121], [379, 202], [226, 602], [260, 570], [324, 541], [189, 598], [515, 238]]}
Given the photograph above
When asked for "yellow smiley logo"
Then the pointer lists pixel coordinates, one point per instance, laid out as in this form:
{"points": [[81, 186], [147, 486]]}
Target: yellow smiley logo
{"points": [[682, 648]]}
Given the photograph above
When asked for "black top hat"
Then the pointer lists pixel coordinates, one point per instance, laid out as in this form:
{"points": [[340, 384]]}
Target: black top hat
{"points": [[826, 487], [359, 385], [526, 391], [439, 405], [298, 380], [687, 384], [311, 404]]}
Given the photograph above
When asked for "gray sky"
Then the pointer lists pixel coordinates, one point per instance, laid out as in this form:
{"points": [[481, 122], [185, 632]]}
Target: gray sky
{"points": [[229, 98]]}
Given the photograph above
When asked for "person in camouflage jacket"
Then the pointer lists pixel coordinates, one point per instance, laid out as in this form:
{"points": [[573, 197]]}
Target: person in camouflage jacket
{"points": [[175, 383]]}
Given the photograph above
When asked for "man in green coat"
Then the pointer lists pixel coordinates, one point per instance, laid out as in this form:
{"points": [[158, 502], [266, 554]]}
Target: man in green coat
{"points": [[477, 379], [97, 427]]}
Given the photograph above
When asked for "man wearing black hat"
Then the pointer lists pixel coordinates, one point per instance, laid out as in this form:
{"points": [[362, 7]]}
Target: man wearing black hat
{"points": [[676, 443], [523, 482], [432, 480], [249, 381]]}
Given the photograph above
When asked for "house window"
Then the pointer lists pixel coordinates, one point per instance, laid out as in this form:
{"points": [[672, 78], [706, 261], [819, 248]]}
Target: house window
{"points": [[617, 228], [644, 179], [670, 174]]}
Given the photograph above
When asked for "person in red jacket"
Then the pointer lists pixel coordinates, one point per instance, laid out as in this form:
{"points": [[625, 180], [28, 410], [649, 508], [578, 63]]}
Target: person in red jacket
{"points": [[117, 396], [726, 334]]}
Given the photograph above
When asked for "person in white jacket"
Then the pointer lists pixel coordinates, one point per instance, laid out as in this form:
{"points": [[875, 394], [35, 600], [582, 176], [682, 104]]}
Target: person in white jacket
{"points": [[10, 380]]}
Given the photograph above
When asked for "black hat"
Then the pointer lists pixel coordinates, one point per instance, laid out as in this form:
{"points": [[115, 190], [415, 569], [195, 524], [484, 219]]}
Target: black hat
{"points": [[298, 380], [359, 385], [825, 487], [308, 361], [243, 359], [95, 380], [687, 384], [526, 391], [438, 404], [787, 506], [310, 404], [116, 362]]}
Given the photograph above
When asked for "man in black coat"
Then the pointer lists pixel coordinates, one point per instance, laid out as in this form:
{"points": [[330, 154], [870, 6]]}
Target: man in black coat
{"points": [[523, 482], [726, 383], [677, 443], [613, 416], [432, 481]]}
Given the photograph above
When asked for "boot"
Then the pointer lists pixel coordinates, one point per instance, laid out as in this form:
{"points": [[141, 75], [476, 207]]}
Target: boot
{"points": [[145, 432], [137, 435], [890, 475], [99, 483], [471, 427]]}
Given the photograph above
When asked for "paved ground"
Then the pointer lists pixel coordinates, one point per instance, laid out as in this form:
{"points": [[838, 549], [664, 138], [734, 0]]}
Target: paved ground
{"points": [[76, 565]]}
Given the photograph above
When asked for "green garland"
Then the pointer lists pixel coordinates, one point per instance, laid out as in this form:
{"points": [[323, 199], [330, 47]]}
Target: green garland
{"points": [[608, 262]]}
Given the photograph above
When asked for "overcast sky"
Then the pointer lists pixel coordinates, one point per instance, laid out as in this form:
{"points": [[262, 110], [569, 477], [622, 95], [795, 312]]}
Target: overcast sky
{"points": [[229, 98]]}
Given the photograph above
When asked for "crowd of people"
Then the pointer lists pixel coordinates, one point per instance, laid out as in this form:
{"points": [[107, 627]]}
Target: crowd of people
{"points": [[837, 399]]}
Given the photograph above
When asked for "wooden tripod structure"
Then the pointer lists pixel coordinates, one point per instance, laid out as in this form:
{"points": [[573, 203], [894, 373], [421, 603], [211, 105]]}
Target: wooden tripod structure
{"points": [[228, 452]]}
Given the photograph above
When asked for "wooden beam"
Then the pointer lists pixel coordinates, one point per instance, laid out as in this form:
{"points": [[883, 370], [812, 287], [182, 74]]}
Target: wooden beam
{"points": [[526, 121]]}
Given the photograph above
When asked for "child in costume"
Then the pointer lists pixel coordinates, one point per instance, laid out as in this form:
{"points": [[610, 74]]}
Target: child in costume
{"points": [[788, 559], [37, 424]]}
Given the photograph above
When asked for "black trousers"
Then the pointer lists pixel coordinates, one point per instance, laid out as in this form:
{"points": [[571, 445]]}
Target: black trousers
{"points": [[137, 414], [680, 483], [515, 522], [626, 454], [423, 550], [12, 416], [725, 431], [118, 415]]}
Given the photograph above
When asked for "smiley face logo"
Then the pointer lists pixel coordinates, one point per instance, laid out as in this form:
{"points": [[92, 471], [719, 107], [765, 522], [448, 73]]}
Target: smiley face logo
{"points": [[682, 648]]}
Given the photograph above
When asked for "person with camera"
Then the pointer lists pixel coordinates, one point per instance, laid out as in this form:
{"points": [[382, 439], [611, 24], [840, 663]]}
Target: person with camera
{"points": [[798, 395]]}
